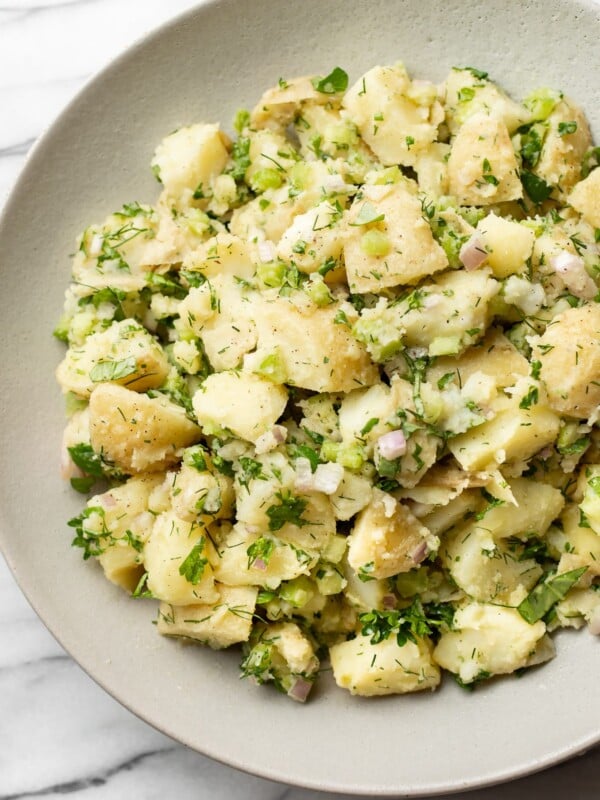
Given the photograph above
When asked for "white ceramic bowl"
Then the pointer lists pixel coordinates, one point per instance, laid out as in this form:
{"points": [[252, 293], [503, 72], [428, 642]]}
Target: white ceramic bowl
{"points": [[203, 66]]}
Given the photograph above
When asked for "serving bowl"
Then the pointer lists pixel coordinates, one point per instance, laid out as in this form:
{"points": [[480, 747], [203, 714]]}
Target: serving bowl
{"points": [[202, 67]]}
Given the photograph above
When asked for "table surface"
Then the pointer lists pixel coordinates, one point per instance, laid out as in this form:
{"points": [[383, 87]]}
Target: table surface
{"points": [[54, 718]]}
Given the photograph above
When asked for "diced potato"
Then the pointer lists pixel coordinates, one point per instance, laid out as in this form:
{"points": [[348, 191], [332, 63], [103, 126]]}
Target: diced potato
{"points": [[233, 564], [316, 352], [432, 170], [445, 517], [455, 307], [578, 607], [137, 433], [562, 153], [485, 570], [487, 640], [384, 668], [482, 167], [569, 351], [277, 107], [396, 119], [585, 198], [293, 646], [223, 314], [513, 435], [226, 622], [458, 307], [130, 244], [125, 353], [590, 504], [353, 494], [467, 93], [312, 238], [387, 539], [223, 254], [176, 560], [508, 244], [537, 506], [123, 525], [245, 404], [365, 594], [412, 252], [583, 542], [494, 355], [189, 159], [363, 407], [201, 495]]}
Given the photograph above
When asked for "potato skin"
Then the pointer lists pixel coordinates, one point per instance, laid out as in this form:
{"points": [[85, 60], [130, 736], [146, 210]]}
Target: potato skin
{"points": [[569, 352]]}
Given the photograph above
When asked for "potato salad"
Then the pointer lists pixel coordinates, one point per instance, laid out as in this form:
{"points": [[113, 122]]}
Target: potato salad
{"points": [[334, 397]]}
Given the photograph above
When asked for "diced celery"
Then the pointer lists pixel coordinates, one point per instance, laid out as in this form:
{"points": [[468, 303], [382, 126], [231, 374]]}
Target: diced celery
{"points": [[329, 451], [375, 243], [329, 580], [268, 178], [335, 548], [541, 102], [297, 592], [445, 346], [351, 456], [318, 291], [272, 367], [271, 274]]}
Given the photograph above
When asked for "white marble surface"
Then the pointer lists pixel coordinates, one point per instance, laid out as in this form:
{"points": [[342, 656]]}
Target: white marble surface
{"points": [[60, 734]]}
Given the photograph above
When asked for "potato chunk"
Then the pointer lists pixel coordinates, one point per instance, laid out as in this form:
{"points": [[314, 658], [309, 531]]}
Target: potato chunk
{"points": [[122, 523], [508, 244], [315, 351], [514, 434], [485, 570], [482, 167], [243, 403], [412, 250], [569, 351], [189, 158], [137, 433], [585, 198], [396, 118], [487, 640], [384, 668], [235, 567], [125, 353], [219, 625], [277, 107], [387, 539], [562, 153], [176, 560]]}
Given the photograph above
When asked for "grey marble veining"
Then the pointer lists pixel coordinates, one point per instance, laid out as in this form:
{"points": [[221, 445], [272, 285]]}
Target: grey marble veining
{"points": [[60, 734]]}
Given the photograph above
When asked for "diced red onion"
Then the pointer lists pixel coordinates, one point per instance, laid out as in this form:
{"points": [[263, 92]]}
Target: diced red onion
{"points": [[68, 469], [279, 433], [327, 478], [300, 690], [266, 251], [271, 439], [106, 500], [420, 553], [392, 445], [571, 269], [473, 252], [258, 563], [304, 481], [389, 602]]}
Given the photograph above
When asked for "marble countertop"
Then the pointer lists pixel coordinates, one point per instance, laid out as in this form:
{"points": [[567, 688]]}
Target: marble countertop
{"points": [[55, 722]]}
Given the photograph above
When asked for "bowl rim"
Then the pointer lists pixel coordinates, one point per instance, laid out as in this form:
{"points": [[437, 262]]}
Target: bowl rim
{"points": [[28, 587]]}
